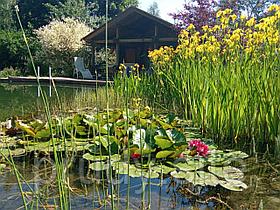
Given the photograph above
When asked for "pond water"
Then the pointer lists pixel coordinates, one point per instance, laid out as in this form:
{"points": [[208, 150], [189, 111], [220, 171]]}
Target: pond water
{"points": [[87, 188], [21, 99]]}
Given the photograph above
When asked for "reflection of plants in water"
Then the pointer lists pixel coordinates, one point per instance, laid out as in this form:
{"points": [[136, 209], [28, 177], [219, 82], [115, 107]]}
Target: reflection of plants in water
{"points": [[9, 87]]}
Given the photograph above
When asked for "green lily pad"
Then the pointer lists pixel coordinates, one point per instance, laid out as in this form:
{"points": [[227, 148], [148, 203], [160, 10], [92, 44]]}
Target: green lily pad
{"points": [[234, 185], [163, 142], [237, 155], [151, 175], [227, 172], [163, 169], [115, 158], [208, 178], [191, 165], [164, 154], [201, 178], [44, 133], [99, 166], [91, 157], [178, 175]]}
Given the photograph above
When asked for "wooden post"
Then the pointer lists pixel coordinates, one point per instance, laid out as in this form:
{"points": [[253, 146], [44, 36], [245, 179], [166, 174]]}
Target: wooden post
{"points": [[155, 36], [117, 47], [93, 58], [38, 77], [50, 78]]}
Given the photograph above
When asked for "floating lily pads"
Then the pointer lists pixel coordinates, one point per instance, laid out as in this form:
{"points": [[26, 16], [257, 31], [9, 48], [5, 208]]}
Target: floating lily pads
{"points": [[191, 165], [234, 185], [227, 172], [91, 157], [164, 154], [99, 166], [163, 142], [163, 169], [201, 178]]}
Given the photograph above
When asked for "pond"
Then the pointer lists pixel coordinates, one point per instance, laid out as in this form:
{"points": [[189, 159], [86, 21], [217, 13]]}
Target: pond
{"points": [[88, 188], [87, 191], [21, 99]]}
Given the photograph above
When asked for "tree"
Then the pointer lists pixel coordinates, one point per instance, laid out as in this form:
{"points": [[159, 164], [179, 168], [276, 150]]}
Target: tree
{"points": [[70, 8], [6, 14], [13, 51], [34, 13], [252, 8], [61, 41], [115, 6], [153, 9], [198, 13]]}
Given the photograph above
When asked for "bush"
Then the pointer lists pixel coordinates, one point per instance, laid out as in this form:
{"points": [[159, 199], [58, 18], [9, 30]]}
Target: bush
{"points": [[61, 41], [6, 72], [12, 49]]}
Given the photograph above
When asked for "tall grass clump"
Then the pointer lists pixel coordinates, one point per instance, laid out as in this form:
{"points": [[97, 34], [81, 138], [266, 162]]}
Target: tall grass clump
{"points": [[224, 78]]}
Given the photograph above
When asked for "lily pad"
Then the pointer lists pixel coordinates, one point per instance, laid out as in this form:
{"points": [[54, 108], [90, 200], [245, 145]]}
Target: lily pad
{"points": [[164, 154], [201, 178], [91, 157], [234, 185], [227, 172], [163, 169], [191, 165], [151, 175], [163, 142], [99, 166], [237, 155]]}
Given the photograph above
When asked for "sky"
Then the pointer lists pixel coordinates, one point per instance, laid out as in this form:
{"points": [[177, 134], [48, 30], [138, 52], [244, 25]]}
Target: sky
{"points": [[165, 7]]}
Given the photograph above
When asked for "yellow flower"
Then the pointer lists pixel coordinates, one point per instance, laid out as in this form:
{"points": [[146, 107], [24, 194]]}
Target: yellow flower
{"points": [[205, 28], [219, 13], [243, 17], [274, 7], [190, 27], [251, 22], [233, 17]]}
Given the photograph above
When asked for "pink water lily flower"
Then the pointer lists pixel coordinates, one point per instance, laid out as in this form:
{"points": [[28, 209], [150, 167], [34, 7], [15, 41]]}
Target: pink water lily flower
{"points": [[198, 148]]}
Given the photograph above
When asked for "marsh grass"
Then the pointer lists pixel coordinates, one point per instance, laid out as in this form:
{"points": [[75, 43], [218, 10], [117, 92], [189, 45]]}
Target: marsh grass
{"points": [[227, 85]]}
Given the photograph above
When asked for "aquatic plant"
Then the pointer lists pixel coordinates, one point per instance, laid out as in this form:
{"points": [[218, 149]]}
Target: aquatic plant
{"points": [[224, 79], [155, 140]]}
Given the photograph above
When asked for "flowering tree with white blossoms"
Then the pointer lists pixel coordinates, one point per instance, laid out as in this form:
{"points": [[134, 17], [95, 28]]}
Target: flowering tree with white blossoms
{"points": [[61, 41]]}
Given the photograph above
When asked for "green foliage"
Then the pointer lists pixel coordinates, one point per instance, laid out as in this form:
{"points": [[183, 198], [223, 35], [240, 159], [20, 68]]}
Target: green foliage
{"points": [[86, 133], [253, 8], [34, 13], [6, 72], [115, 6], [13, 51], [6, 14]]}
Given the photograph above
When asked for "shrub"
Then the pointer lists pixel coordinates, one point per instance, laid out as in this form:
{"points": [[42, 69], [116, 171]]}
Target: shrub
{"points": [[61, 41], [6, 72], [12, 49]]}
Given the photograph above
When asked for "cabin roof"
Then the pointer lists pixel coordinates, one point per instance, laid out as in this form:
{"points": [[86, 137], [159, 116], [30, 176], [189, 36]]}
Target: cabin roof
{"points": [[133, 20]]}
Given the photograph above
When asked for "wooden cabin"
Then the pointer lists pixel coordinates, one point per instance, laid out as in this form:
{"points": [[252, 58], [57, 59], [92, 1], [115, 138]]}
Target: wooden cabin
{"points": [[132, 34]]}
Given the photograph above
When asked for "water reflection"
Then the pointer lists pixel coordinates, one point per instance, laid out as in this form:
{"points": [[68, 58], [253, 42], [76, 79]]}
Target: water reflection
{"points": [[88, 190], [21, 99]]}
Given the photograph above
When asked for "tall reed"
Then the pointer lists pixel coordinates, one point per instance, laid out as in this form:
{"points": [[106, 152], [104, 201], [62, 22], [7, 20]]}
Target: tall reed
{"points": [[224, 78]]}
